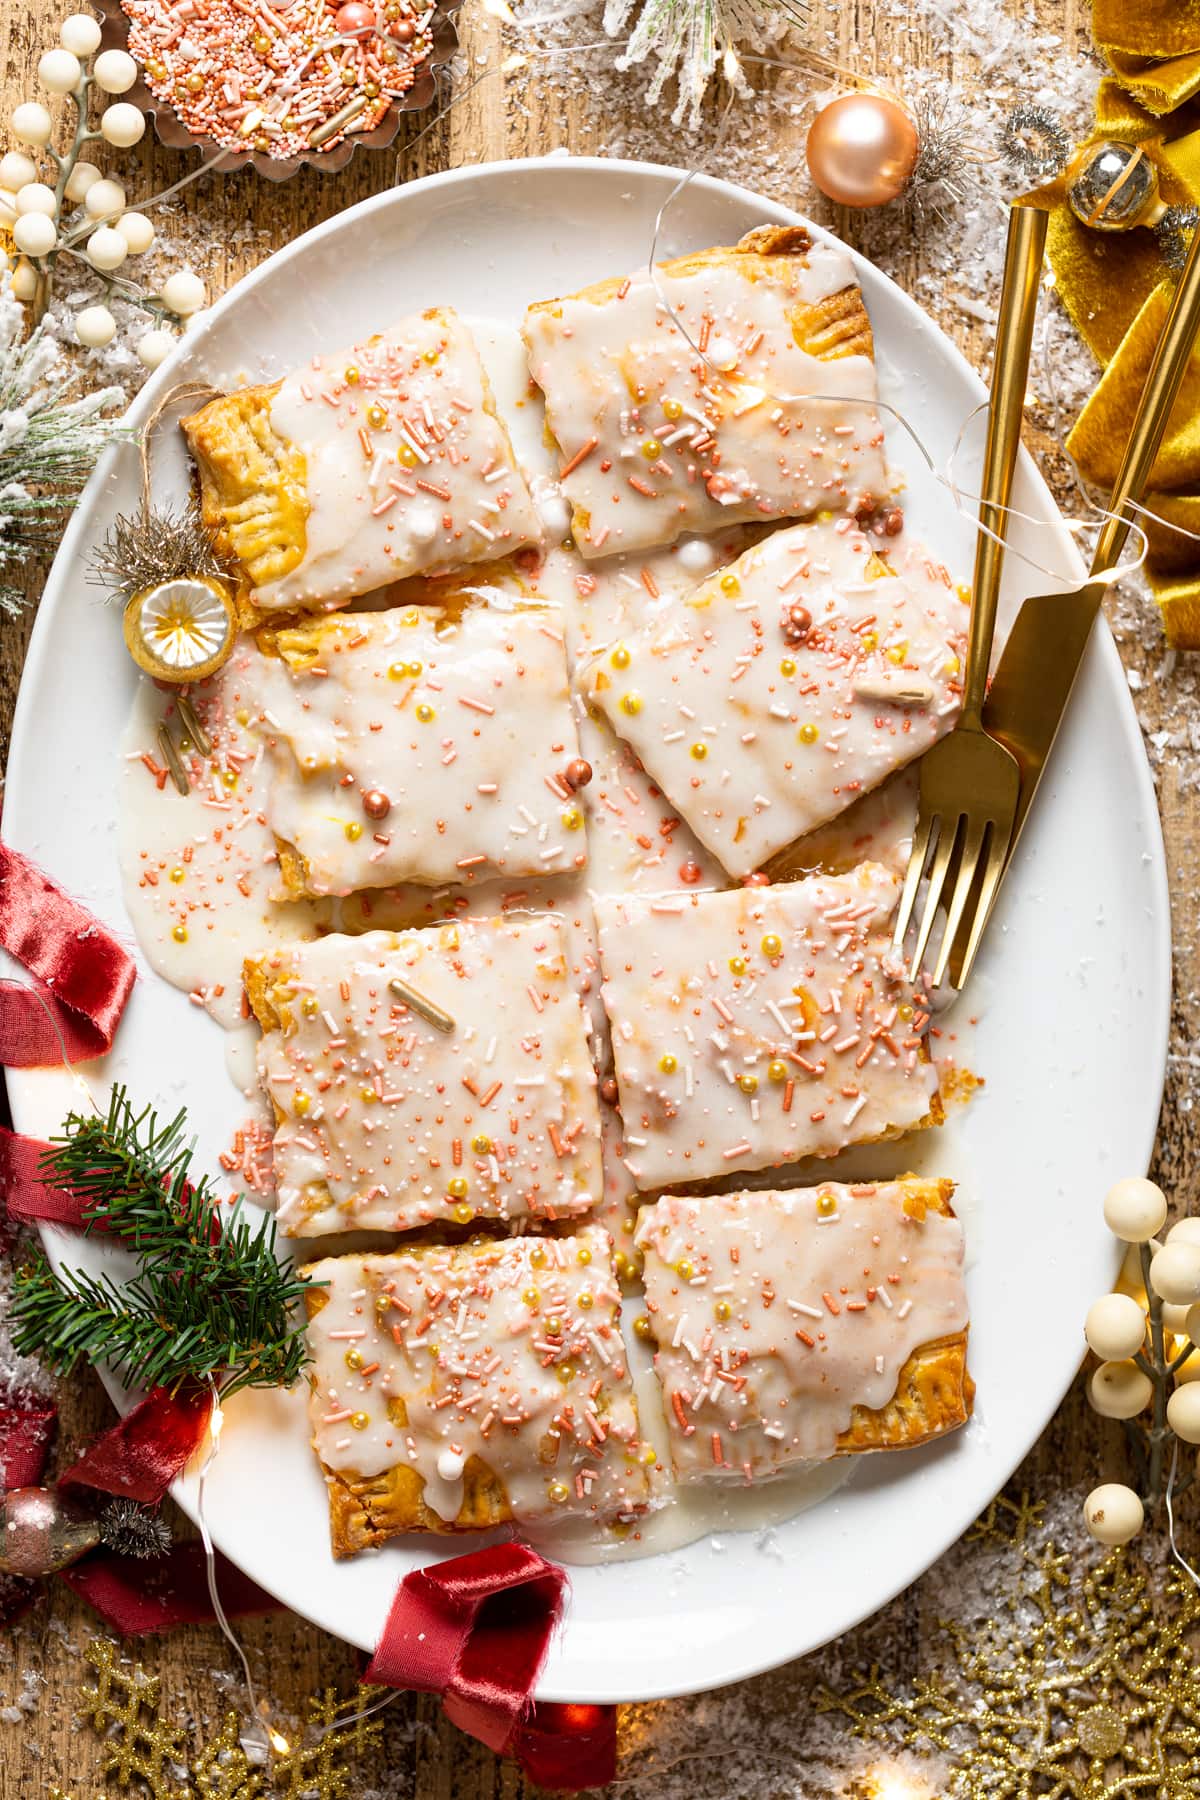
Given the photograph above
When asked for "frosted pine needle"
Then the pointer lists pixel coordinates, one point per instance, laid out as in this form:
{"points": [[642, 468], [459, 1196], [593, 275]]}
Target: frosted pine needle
{"points": [[48, 443], [686, 38]]}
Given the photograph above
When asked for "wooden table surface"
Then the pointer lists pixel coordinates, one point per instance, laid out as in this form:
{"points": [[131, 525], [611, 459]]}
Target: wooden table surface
{"points": [[241, 219]]}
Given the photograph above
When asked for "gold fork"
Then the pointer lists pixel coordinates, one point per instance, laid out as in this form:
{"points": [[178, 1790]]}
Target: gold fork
{"points": [[970, 784]]}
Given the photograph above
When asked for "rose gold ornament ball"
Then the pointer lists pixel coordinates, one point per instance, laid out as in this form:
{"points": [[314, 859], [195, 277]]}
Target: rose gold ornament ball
{"points": [[862, 149]]}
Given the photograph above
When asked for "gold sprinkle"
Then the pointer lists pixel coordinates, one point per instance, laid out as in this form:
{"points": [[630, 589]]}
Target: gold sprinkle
{"points": [[429, 1011]]}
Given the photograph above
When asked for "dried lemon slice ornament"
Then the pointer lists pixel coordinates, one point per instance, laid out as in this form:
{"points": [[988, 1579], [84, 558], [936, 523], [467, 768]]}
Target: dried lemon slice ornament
{"points": [[181, 630]]}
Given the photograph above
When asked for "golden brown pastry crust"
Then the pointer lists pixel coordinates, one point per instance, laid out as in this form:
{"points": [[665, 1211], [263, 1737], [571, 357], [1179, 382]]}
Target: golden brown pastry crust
{"points": [[366, 1510], [934, 1393], [252, 492]]}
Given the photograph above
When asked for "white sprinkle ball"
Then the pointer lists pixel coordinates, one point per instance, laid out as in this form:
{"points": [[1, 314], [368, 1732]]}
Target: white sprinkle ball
{"points": [[16, 170], [1120, 1390], [103, 198], [695, 554], [95, 327], [450, 1465], [155, 347], [106, 248], [122, 125], [32, 123], [1113, 1513], [721, 352], [80, 34], [59, 71], [35, 234], [138, 232], [183, 293], [1134, 1209], [83, 177], [36, 197], [1183, 1412], [1175, 1273], [115, 71], [1115, 1326]]}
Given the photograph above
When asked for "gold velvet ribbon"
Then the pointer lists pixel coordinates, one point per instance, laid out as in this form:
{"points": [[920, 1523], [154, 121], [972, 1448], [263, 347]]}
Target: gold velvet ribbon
{"points": [[1116, 290]]}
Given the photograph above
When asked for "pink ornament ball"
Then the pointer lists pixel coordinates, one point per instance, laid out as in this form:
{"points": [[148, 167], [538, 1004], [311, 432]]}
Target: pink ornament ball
{"points": [[354, 17]]}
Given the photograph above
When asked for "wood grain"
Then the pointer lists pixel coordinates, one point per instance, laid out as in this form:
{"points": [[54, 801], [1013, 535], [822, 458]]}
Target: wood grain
{"points": [[242, 218]]}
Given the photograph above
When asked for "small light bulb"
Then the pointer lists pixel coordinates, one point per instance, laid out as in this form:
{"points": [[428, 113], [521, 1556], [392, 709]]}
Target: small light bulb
{"points": [[279, 1743], [216, 1420], [731, 66]]}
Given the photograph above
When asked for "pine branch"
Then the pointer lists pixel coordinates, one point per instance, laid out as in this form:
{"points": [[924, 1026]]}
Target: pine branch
{"points": [[209, 1297]]}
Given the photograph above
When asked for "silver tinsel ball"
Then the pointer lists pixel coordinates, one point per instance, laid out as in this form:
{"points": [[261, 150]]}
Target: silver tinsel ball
{"points": [[1114, 187]]}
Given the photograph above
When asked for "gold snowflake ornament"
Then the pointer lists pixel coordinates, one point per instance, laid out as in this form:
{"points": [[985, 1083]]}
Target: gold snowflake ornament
{"points": [[1080, 1688]]}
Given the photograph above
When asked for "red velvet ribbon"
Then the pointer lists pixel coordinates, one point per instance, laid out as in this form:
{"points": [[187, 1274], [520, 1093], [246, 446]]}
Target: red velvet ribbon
{"points": [[26, 1433], [25, 1197], [135, 1597], [476, 1630], [139, 1457], [86, 973]]}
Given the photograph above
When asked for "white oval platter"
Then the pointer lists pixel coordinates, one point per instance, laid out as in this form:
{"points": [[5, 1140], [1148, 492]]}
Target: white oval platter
{"points": [[1072, 1035]]}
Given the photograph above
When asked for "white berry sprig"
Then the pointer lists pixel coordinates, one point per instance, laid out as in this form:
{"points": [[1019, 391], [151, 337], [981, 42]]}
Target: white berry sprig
{"points": [[1146, 1335], [78, 211]]}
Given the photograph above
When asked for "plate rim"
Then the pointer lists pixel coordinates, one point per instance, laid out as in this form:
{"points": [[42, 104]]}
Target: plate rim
{"points": [[58, 583]]}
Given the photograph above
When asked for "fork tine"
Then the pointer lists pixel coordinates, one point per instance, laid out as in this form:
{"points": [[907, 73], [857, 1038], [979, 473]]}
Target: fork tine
{"points": [[922, 832], [994, 870], [942, 857], [974, 838]]}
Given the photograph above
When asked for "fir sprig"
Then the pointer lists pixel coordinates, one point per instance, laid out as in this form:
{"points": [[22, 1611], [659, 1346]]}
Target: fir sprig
{"points": [[209, 1298]]}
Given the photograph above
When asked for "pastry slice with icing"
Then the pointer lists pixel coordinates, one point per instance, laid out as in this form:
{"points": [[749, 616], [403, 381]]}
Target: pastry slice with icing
{"points": [[769, 698], [371, 463], [422, 744], [422, 1076], [761, 1025], [456, 1389], [806, 1323], [689, 401]]}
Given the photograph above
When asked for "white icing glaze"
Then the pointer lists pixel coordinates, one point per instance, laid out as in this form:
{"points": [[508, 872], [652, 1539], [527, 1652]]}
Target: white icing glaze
{"points": [[387, 1122], [736, 1052], [758, 732], [775, 1319], [655, 442], [203, 865], [406, 465], [463, 723], [510, 1352]]}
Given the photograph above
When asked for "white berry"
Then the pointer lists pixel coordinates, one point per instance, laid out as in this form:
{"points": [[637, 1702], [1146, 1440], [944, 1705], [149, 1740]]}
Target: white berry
{"points": [[103, 198], [155, 347], [106, 248], [24, 281], [194, 320], [80, 34], [16, 170], [137, 231], [1175, 1273], [59, 71], [1135, 1209], [1190, 1370], [1185, 1231], [95, 327], [8, 207], [35, 196], [122, 125], [83, 177], [31, 123], [1183, 1412], [35, 234], [1113, 1513], [183, 293], [1115, 1327], [115, 71], [1119, 1390]]}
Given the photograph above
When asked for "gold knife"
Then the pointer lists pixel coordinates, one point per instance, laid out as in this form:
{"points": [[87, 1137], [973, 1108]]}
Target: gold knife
{"points": [[1032, 684]]}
